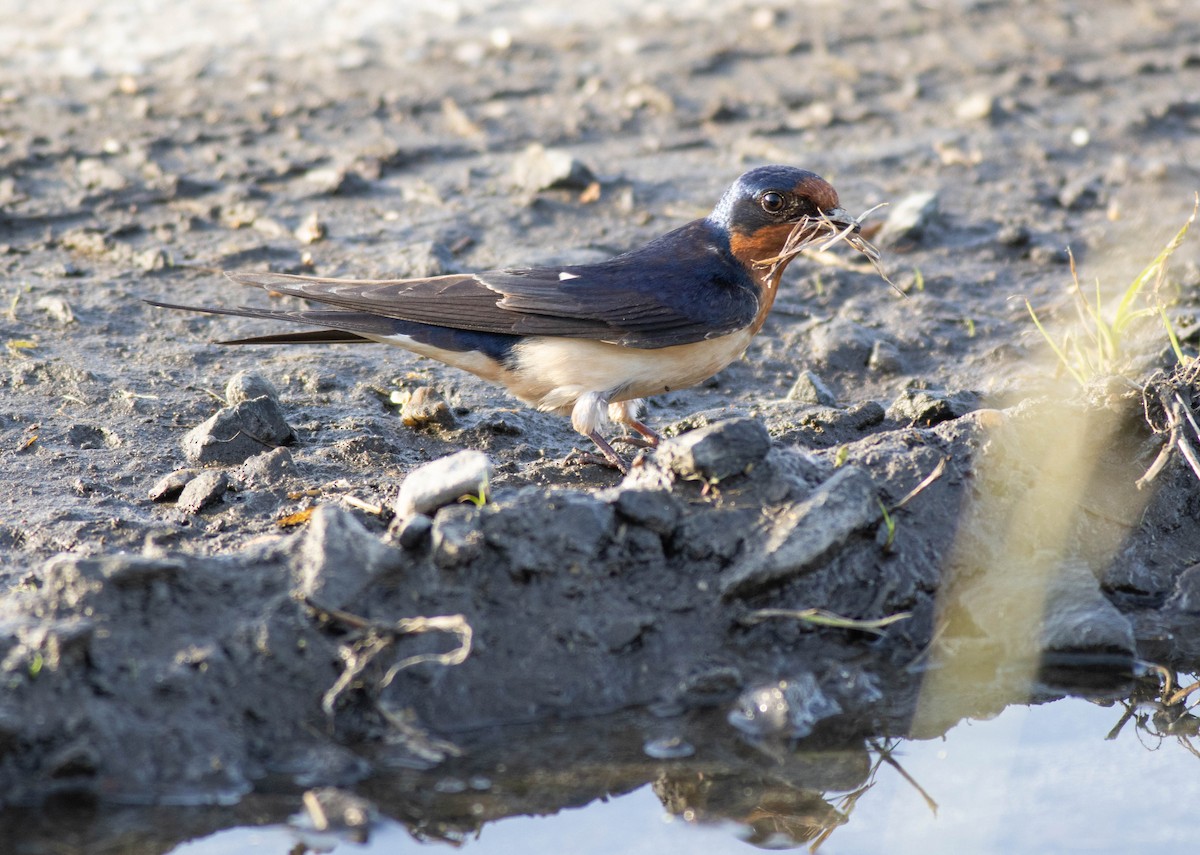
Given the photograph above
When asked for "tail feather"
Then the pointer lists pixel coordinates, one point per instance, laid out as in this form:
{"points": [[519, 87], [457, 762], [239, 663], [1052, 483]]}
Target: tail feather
{"points": [[306, 337], [343, 327], [350, 327]]}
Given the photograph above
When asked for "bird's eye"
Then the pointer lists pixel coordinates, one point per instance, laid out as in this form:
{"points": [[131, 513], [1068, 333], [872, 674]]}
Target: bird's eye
{"points": [[771, 202]]}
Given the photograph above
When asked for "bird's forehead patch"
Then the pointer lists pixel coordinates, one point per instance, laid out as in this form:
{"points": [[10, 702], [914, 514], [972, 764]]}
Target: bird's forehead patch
{"points": [[819, 190]]}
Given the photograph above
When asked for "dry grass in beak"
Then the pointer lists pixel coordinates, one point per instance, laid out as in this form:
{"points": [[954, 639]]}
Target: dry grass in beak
{"points": [[821, 229]]}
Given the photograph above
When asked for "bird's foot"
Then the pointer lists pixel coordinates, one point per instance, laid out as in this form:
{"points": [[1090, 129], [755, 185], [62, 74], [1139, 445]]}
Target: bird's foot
{"points": [[587, 458], [607, 457]]}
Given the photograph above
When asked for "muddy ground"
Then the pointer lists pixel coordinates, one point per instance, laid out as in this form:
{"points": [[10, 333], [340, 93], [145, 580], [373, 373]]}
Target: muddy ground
{"points": [[184, 650]]}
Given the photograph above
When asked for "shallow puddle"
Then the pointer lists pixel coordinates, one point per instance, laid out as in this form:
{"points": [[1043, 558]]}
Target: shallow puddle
{"points": [[1033, 779]]}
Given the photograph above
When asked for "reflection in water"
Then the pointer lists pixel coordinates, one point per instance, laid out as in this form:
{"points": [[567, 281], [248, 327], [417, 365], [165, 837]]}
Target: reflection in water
{"points": [[1161, 712], [1039, 778]]}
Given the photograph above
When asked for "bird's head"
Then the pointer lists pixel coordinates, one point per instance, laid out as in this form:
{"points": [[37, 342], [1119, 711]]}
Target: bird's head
{"points": [[763, 208]]}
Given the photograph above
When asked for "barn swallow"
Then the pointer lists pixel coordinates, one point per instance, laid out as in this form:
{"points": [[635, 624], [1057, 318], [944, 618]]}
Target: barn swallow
{"points": [[591, 341]]}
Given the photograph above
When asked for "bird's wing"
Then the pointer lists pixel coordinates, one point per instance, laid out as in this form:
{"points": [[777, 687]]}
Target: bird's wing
{"points": [[654, 297]]}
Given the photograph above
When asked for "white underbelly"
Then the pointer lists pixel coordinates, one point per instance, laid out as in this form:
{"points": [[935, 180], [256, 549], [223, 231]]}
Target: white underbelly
{"points": [[468, 360], [552, 373]]}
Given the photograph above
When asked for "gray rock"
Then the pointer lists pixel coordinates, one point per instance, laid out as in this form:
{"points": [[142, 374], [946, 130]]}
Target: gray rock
{"points": [[976, 106], [806, 532], [95, 174], [443, 482], [925, 408], [668, 748], [426, 407], [885, 358], [657, 510], [269, 469], [71, 577], [841, 345], [539, 532], [811, 389], [336, 181], [712, 685], [539, 168], [718, 451], [168, 488], [58, 310], [74, 760], [1078, 617], [909, 219], [204, 490], [410, 532], [788, 708], [456, 537], [1041, 609], [248, 385], [1186, 596], [153, 259], [337, 557], [236, 433], [1083, 191]]}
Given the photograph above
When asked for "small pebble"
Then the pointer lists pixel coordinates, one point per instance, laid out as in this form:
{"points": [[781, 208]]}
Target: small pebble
{"points": [[248, 385], [423, 259], [95, 174], [168, 488], [811, 389], [789, 708], [885, 358], [268, 469], [668, 748], [426, 407], [310, 230], [57, 308], [152, 259], [204, 490], [539, 168], [974, 107], [444, 482], [909, 219]]}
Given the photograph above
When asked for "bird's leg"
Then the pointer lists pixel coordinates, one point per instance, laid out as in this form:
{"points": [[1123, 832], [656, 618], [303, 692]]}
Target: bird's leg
{"points": [[626, 413], [610, 458], [588, 414]]}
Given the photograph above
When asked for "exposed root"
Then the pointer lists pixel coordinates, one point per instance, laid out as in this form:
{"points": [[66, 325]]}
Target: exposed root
{"points": [[1170, 407], [375, 637]]}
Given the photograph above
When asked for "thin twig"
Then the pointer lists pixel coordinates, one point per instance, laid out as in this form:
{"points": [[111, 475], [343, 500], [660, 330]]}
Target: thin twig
{"points": [[1120, 725], [937, 472], [355, 502], [886, 754], [821, 617]]}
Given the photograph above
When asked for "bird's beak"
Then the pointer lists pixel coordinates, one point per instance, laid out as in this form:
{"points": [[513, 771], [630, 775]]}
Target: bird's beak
{"points": [[842, 219]]}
